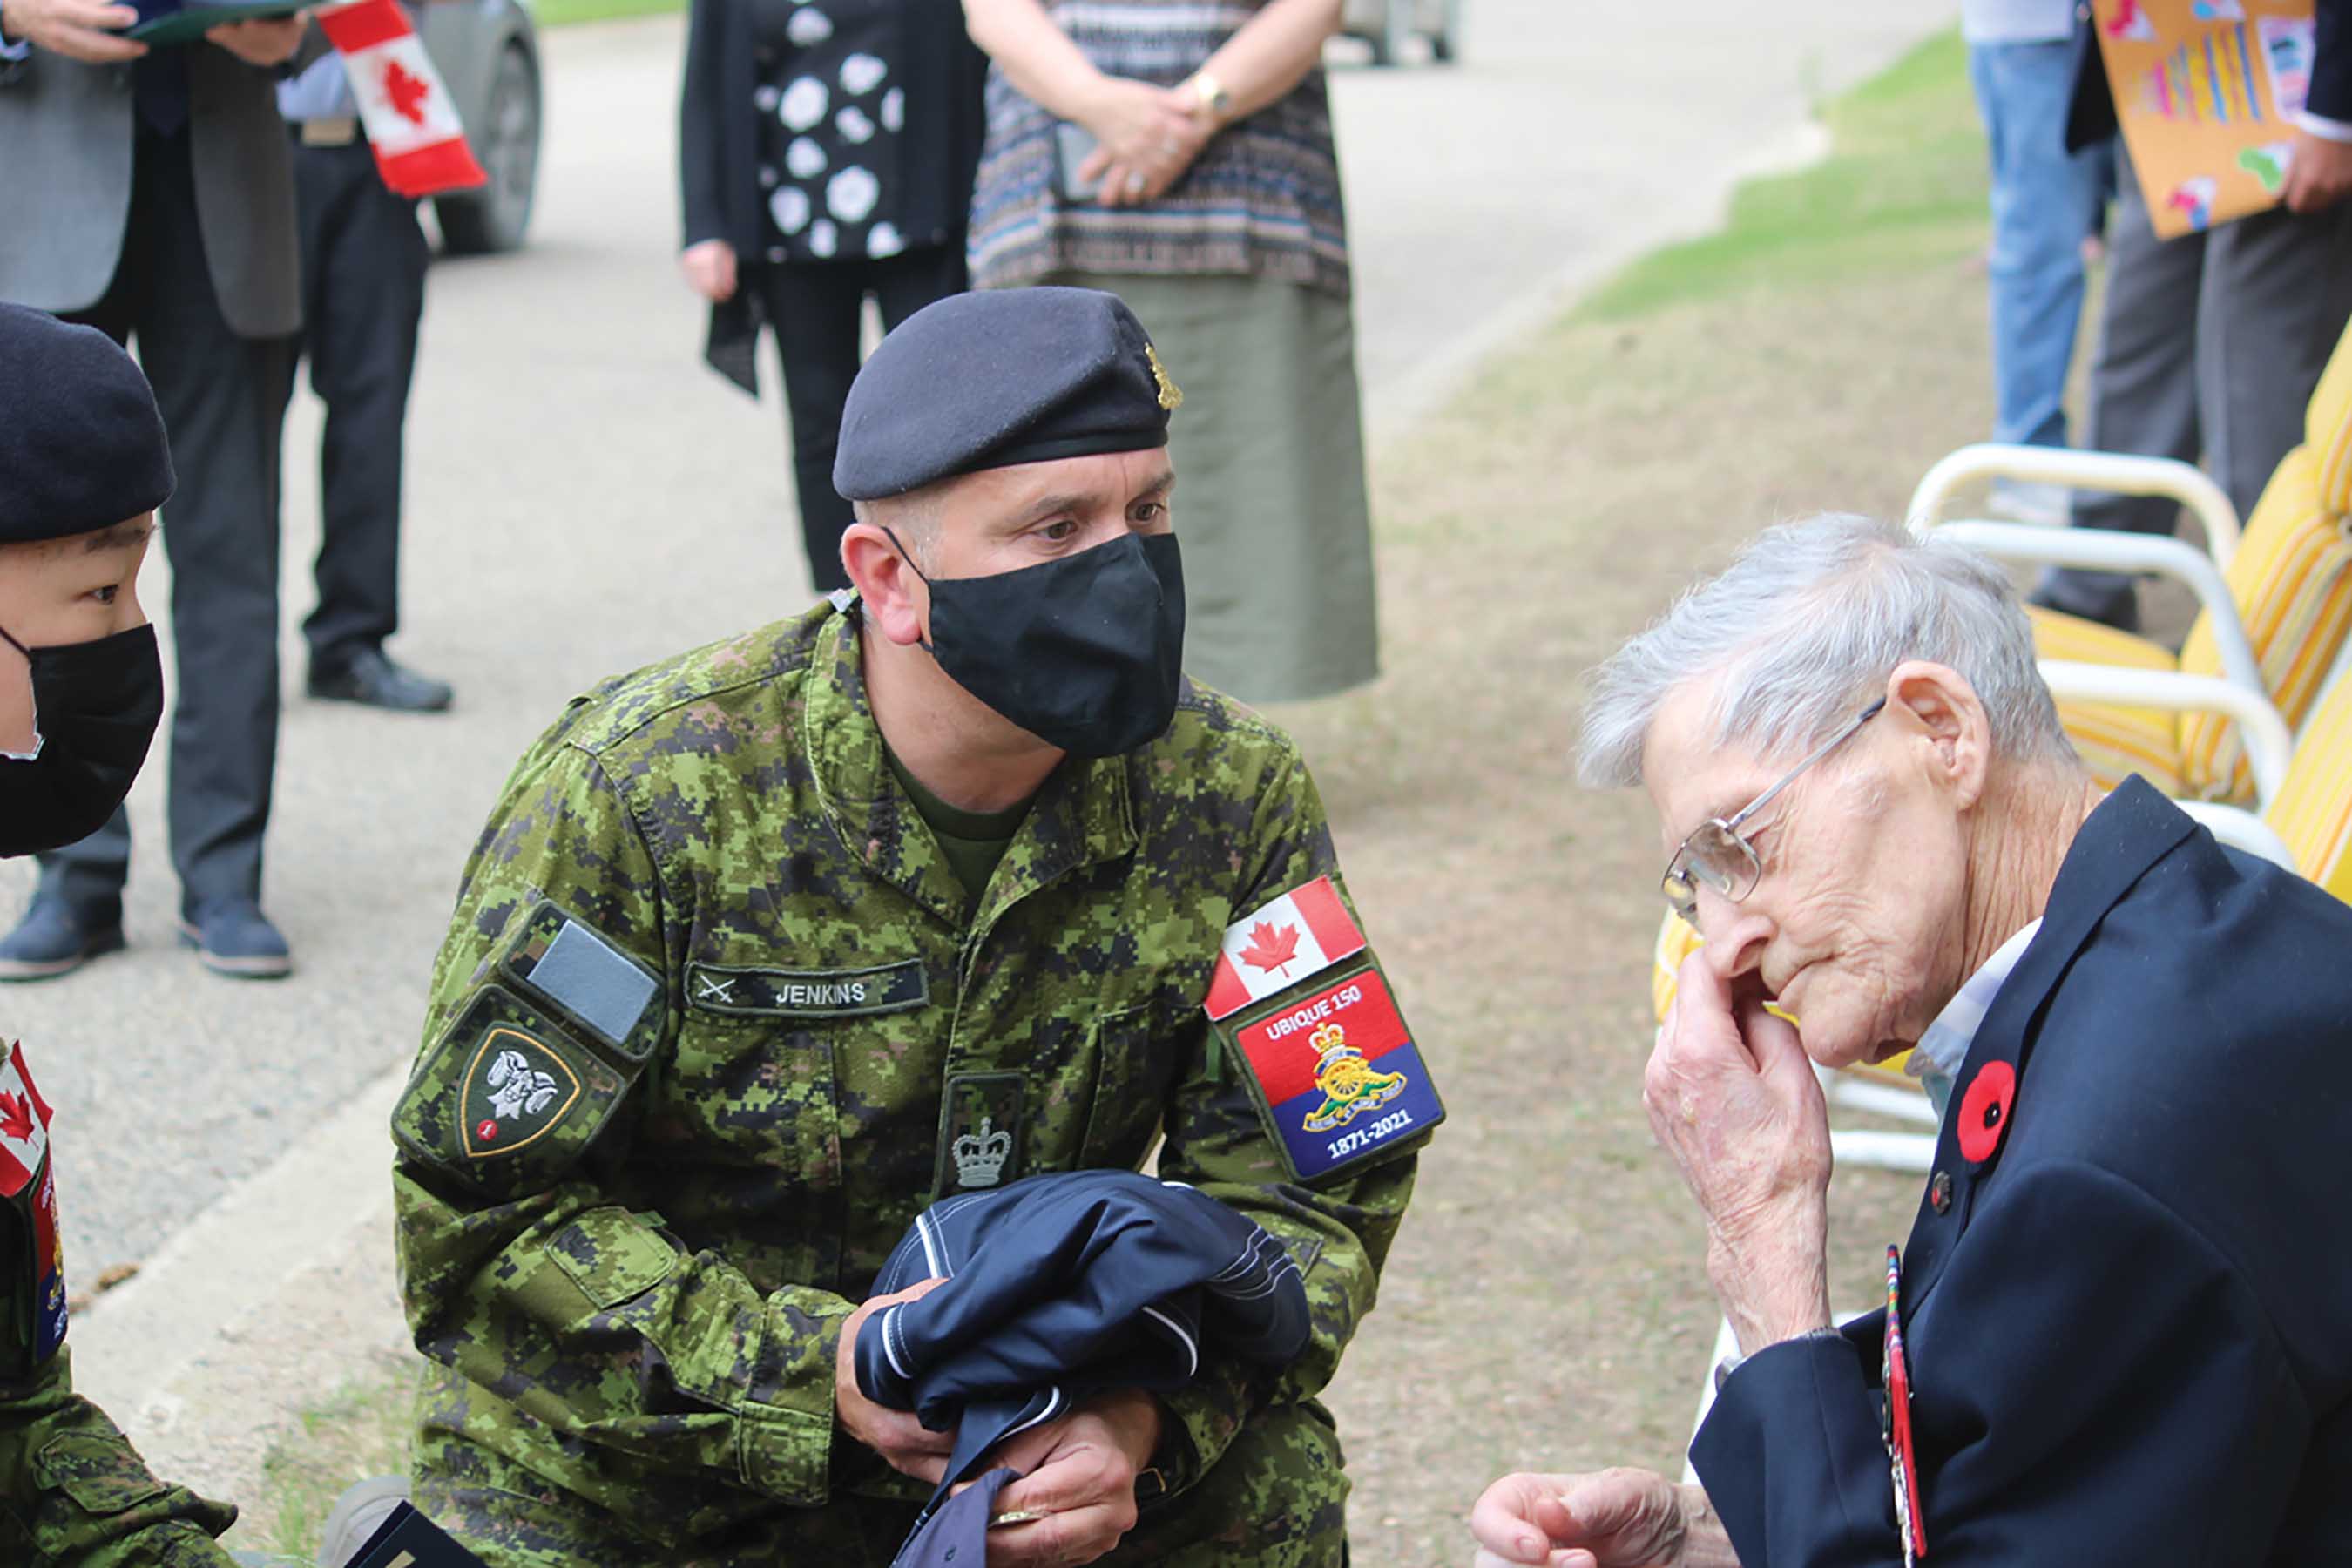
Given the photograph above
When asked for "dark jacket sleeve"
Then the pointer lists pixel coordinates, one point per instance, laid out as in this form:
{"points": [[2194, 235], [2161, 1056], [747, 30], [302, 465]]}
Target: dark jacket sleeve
{"points": [[72, 1488], [2331, 64], [2095, 1382], [701, 125]]}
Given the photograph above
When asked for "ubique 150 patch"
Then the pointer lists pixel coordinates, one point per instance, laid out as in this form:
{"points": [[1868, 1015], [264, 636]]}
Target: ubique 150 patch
{"points": [[1337, 1076]]}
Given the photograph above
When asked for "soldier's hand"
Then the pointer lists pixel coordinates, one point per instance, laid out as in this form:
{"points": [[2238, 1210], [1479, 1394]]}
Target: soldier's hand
{"points": [[1611, 1519], [86, 31], [911, 1448], [1080, 1472]]}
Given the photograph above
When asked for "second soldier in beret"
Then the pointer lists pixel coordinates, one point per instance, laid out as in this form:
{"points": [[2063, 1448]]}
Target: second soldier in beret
{"points": [[951, 880], [83, 465]]}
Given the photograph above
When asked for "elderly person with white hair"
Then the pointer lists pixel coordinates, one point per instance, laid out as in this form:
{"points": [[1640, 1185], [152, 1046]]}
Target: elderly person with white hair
{"points": [[2121, 1330]]}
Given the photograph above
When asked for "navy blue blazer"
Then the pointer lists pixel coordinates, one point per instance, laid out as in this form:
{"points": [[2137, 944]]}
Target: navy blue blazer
{"points": [[2129, 1327], [2090, 113]]}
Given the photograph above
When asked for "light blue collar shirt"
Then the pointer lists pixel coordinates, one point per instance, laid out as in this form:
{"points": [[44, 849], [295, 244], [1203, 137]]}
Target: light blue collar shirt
{"points": [[1937, 1059]]}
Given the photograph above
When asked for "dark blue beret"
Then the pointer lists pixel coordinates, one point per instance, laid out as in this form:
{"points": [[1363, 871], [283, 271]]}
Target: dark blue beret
{"points": [[1002, 376], [81, 447]]}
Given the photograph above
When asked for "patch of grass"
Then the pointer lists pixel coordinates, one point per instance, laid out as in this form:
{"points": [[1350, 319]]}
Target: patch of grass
{"points": [[1903, 185], [564, 12], [360, 1430]]}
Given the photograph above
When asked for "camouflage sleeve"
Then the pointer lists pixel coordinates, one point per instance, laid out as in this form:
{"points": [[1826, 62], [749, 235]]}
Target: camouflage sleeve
{"points": [[526, 1275], [1339, 1229], [73, 1489]]}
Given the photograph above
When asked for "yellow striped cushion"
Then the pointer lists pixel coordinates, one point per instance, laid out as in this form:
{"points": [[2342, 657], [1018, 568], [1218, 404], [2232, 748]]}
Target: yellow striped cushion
{"points": [[2313, 813], [2327, 426], [1677, 940], [2113, 741], [2292, 580]]}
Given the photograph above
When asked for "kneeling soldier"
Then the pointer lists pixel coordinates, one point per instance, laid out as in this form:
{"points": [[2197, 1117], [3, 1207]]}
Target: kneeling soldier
{"points": [[769, 946], [83, 465]]}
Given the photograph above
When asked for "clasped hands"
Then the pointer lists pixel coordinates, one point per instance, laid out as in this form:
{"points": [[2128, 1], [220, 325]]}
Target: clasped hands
{"points": [[1146, 138], [91, 31], [1078, 1473], [1734, 1102]]}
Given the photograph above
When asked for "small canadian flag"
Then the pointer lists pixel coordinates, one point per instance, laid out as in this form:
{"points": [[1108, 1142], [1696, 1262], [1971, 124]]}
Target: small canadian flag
{"points": [[1279, 944], [24, 1125], [420, 147]]}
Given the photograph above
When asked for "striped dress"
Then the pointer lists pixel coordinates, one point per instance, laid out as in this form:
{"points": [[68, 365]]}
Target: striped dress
{"points": [[1262, 201]]}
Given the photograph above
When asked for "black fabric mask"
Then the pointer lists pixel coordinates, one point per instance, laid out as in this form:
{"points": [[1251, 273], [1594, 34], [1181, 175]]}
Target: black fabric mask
{"points": [[95, 707], [1086, 653]]}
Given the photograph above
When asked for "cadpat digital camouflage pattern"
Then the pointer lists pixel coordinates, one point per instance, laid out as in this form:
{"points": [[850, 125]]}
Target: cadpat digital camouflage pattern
{"points": [[640, 1309], [73, 1491]]}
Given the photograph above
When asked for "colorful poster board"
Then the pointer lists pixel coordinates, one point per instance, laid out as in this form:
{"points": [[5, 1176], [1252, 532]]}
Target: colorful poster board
{"points": [[2207, 92]]}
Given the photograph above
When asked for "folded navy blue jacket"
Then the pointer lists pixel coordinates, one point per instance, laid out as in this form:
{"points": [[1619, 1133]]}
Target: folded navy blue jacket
{"points": [[1065, 1286]]}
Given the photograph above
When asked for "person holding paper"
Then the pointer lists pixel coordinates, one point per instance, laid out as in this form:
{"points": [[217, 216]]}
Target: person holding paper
{"points": [[2209, 344], [165, 213]]}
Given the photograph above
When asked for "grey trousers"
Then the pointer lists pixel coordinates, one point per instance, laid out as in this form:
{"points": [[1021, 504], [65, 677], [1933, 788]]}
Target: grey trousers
{"points": [[220, 397], [2208, 347]]}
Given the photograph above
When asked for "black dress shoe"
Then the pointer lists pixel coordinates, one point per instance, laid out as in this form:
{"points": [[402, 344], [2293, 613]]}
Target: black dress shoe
{"points": [[369, 676], [55, 938]]}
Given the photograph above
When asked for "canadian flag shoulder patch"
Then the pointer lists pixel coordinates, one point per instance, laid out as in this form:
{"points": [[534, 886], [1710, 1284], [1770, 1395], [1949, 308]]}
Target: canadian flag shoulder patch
{"points": [[24, 1125], [1280, 943]]}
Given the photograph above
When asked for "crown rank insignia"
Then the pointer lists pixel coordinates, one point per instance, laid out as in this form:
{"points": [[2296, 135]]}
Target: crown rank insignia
{"points": [[979, 1156]]}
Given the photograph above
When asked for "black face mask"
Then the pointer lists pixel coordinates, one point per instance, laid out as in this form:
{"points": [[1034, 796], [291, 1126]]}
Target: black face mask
{"points": [[1085, 653], [95, 706]]}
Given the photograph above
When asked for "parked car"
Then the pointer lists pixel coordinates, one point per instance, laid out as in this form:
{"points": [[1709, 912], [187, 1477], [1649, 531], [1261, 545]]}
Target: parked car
{"points": [[488, 54], [1386, 23]]}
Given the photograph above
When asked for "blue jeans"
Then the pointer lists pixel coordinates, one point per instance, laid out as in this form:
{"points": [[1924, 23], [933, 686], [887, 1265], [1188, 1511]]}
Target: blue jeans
{"points": [[2044, 202]]}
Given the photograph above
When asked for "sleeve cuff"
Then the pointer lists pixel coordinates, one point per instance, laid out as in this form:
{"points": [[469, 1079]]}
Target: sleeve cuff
{"points": [[786, 1419], [20, 50], [1202, 1418], [2326, 130]]}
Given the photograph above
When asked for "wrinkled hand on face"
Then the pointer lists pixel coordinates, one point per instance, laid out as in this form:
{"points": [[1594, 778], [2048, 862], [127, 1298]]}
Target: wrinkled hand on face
{"points": [[1732, 1098]]}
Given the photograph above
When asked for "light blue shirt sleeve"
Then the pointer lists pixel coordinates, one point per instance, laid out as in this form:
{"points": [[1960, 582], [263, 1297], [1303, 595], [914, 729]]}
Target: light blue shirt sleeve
{"points": [[323, 90]]}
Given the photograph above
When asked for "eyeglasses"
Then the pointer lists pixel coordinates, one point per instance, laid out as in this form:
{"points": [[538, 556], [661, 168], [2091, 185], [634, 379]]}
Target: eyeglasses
{"points": [[1717, 855]]}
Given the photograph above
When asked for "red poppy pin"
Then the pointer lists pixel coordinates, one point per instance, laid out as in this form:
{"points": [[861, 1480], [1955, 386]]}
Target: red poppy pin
{"points": [[1985, 1110]]}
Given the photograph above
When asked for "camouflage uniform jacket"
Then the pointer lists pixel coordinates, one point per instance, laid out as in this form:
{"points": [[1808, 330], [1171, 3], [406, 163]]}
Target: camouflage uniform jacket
{"points": [[75, 1494], [652, 1291]]}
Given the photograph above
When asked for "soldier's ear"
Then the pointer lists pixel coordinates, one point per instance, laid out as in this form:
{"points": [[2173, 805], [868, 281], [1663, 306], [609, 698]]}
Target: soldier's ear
{"points": [[895, 599]]}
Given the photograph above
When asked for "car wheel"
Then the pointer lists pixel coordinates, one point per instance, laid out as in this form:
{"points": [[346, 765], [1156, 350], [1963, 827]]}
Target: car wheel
{"points": [[495, 217], [1447, 44]]}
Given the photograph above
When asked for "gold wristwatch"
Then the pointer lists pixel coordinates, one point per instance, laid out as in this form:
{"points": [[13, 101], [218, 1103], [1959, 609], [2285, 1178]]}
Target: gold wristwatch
{"points": [[1210, 98]]}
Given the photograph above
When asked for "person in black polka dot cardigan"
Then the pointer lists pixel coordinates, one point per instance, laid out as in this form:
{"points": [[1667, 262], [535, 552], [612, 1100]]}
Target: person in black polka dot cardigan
{"points": [[826, 151]]}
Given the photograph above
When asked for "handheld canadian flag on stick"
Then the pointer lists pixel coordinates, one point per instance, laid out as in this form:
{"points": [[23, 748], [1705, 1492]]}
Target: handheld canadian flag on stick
{"points": [[420, 147]]}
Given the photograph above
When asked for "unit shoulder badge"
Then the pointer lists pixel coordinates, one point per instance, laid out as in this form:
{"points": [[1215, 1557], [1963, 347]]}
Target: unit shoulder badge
{"points": [[1336, 1074], [509, 1096], [515, 1090]]}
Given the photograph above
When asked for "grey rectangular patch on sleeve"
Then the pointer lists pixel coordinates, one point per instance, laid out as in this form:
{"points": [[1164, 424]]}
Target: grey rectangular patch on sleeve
{"points": [[584, 975]]}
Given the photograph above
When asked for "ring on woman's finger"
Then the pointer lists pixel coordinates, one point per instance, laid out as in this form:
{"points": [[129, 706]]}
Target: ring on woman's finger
{"points": [[1134, 183]]}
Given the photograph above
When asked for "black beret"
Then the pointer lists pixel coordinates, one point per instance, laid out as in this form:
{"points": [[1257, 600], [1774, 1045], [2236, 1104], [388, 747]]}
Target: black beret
{"points": [[81, 446], [1002, 376]]}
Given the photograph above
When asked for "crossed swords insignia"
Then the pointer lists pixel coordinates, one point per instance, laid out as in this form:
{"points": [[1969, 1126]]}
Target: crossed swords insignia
{"points": [[715, 990]]}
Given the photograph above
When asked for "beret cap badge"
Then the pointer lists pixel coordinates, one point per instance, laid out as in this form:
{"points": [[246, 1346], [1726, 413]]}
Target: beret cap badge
{"points": [[1172, 396]]}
